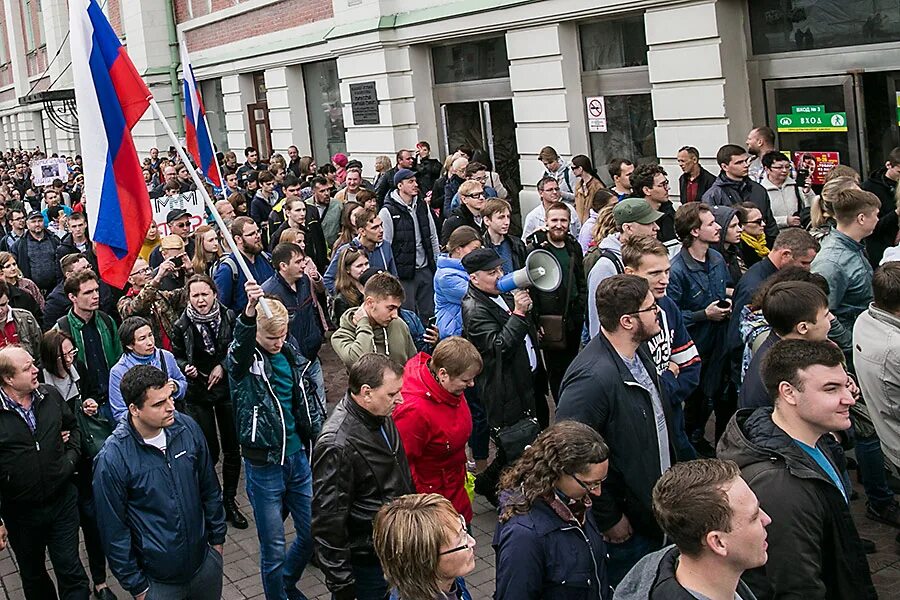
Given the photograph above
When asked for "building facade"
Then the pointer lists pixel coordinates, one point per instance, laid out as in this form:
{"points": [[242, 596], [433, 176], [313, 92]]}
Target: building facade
{"points": [[608, 78]]}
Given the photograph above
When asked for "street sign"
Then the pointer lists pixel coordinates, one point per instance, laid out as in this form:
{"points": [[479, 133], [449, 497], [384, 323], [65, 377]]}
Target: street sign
{"points": [[596, 114], [811, 122]]}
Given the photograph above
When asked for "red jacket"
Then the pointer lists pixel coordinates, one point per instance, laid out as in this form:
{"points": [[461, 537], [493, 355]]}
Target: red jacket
{"points": [[435, 427]]}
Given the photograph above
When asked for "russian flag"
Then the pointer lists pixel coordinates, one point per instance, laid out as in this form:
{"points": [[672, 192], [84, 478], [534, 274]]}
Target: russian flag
{"points": [[199, 144], [111, 97]]}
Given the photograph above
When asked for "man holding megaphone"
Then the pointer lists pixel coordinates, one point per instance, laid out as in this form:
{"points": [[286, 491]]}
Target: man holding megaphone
{"points": [[501, 327]]}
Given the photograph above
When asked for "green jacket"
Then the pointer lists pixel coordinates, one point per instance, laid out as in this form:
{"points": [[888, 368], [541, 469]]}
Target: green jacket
{"points": [[351, 341], [109, 335], [257, 411]]}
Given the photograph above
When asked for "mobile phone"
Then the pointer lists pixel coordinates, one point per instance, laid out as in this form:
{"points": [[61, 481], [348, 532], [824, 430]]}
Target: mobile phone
{"points": [[432, 321], [723, 304]]}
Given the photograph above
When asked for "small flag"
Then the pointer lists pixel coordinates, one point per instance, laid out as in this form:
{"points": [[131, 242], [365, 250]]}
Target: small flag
{"points": [[199, 144], [111, 97]]}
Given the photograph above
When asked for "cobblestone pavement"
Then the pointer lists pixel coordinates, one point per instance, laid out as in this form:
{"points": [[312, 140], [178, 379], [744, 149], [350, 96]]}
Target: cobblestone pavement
{"points": [[242, 580]]}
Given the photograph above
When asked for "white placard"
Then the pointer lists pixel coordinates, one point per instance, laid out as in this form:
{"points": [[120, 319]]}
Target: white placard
{"points": [[43, 172], [596, 114], [189, 201]]}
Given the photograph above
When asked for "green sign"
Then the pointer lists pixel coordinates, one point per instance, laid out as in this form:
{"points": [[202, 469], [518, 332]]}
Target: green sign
{"points": [[808, 109], [812, 121], [898, 108]]}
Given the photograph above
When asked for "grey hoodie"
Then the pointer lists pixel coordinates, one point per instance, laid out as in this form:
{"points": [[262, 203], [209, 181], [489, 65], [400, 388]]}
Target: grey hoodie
{"points": [[603, 269], [653, 578]]}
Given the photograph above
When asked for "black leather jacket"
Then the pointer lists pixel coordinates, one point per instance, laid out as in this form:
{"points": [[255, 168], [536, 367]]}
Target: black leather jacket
{"points": [[359, 465], [505, 384], [183, 340]]}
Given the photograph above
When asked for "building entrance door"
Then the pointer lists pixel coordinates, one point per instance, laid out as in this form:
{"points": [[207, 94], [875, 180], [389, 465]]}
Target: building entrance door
{"points": [[816, 114], [485, 125], [260, 132]]}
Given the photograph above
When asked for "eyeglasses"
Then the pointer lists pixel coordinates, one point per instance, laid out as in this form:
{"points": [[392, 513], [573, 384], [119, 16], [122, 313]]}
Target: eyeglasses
{"points": [[553, 190], [784, 167], [759, 221], [479, 195], [465, 534], [72, 352], [589, 486], [654, 308], [141, 271]]}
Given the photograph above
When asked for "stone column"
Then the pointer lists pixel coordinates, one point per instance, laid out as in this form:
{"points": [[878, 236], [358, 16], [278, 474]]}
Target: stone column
{"points": [[237, 93], [545, 77], [286, 98], [699, 84]]}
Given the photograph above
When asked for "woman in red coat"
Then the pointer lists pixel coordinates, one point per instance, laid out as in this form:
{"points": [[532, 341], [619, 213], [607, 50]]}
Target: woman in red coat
{"points": [[434, 420]]}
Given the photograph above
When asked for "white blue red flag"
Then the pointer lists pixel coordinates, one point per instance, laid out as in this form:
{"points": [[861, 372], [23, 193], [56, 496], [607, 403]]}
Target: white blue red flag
{"points": [[111, 97], [196, 133]]}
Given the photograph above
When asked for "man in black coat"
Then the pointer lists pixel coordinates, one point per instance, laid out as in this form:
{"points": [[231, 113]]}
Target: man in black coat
{"points": [[785, 456], [612, 385], [471, 195], [883, 183], [40, 445], [694, 180]]}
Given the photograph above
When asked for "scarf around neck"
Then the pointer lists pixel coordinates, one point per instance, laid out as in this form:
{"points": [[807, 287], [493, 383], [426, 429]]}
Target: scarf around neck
{"points": [[206, 325], [756, 242]]}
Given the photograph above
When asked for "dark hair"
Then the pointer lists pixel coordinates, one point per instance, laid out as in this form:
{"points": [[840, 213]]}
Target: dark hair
{"points": [[690, 500], [687, 219], [289, 180], [770, 158], [643, 176], [364, 218], [67, 261], [602, 198], [172, 185], [564, 448], [544, 181], [461, 236], [851, 202], [797, 240], [326, 169], [248, 150], [4, 289], [791, 273], [473, 167], [51, 350], [727, 152], [73, 282], [237, 226], [618, 296], [318, 180], [583, 162], [894, 157], [482, 157], [384, 285], [77, 216], [200, 278], [886, 287], [137, 380], [615, 166], [786, 358], [766, 133], [129, 327], [369, 370], [265, 177], [690, 150], [283, 253], [792, 302], [559, 205]]}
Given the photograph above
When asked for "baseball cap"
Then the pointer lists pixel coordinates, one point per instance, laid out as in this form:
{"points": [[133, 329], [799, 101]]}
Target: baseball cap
{"points": [[635, 210], [35, 214], [482, 259], [175, 214], [402, 175]]}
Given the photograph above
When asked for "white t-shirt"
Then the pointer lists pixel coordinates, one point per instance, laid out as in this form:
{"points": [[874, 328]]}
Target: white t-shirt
{"points": [[158, 441]]}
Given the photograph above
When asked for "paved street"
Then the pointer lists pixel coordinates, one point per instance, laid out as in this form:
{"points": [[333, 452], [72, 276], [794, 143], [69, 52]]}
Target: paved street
{"points": [[242, 579]]}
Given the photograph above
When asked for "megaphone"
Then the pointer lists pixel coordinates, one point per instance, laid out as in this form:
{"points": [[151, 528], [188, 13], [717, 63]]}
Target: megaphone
{"points": [[541, 271]]}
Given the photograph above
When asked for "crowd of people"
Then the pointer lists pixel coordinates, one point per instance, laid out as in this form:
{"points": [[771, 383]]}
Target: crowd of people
{"points": [[672, 421]]}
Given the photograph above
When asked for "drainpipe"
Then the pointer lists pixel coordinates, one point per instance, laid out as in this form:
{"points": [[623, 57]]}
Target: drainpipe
{"points": [[175, 62]]}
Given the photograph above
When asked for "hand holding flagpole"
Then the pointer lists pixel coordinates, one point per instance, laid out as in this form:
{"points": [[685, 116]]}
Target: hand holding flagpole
{"points": [[201, 189]]}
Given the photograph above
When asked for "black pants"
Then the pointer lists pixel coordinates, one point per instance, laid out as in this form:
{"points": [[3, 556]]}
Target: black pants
{"points": [[220, 412], [51, 528], [541, 407], [87, 514], [557, 361]]}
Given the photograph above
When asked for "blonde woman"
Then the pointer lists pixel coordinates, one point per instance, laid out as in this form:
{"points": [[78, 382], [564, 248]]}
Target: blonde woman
{"points": [[382, 167], [207, 249], [424, 548]]}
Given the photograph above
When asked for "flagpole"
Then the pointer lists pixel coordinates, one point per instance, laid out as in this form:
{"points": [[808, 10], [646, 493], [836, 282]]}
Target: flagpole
{"points": [[201, 188]]}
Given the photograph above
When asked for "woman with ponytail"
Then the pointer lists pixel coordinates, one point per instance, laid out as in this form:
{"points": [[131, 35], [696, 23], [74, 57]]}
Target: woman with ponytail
{"points": [[547, 544], [587, 185]]}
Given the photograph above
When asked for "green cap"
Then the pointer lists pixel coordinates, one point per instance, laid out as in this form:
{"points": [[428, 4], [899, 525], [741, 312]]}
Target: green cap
{"points": [[635, 210]]}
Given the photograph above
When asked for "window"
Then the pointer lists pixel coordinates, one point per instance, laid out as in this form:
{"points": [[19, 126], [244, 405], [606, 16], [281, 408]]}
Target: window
{"points": [[259, 85], [470, 61], [29, 26], [4, 53], [326, 113], [630, 133], [788, 25], [613, 44]]}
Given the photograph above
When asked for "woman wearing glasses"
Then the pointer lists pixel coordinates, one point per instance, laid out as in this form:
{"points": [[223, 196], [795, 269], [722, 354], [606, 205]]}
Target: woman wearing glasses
{"points": [[547, 544], [424, 548], [753, 236]]}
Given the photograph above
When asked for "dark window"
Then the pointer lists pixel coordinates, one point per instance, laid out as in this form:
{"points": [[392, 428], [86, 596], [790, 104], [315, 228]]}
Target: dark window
{"points": [[470, 61], [630, 134], [786, 25], [613, 44], [325, 110]]}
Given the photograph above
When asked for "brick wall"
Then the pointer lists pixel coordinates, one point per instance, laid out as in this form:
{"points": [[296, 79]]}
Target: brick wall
{"points": [[114, 10], [36, 61], [5, 34], [275, 17]]}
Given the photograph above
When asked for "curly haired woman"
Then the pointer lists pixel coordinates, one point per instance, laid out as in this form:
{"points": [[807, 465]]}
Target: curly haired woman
{"points": [[547, 544]]}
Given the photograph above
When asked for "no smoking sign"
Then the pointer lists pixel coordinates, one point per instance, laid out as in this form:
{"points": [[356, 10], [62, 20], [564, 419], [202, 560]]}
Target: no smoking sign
{"points": [[596, 114]]}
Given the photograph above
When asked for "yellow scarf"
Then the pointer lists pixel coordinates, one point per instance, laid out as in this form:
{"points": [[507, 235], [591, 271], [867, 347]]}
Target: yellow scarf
{"points": [[756, 242]]}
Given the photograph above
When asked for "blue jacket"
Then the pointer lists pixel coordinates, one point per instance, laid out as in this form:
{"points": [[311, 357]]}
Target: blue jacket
{"points": [[451, 282], [674, 344], [382, 257], [130, 359], [462, 593], [541, 557], [230, 279], [304, 325], [842, 262], [160, 512]]}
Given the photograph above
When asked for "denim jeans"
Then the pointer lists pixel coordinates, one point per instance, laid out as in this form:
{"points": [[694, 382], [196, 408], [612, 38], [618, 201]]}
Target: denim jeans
{"points": [[622, 557], [270, 487], [206, 584], [318, 378], [870, 461]]}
